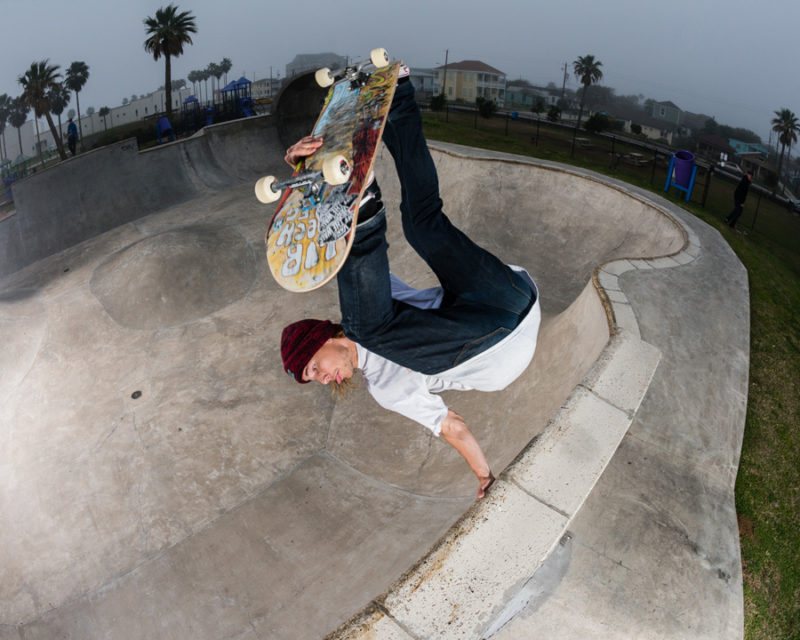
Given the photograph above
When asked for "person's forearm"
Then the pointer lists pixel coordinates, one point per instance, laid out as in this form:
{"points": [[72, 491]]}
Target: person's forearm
{"points": [[458, 435]]}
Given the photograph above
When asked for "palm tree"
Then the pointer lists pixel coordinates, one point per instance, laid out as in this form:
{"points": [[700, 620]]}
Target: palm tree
{"points": [[786, 125], [18, 116], [226, 65], [204, 76], [167, 32], [104, 111], [59, 99], [214, 71], [76, 77], [588, 70], [194, 77], [36, 83], [5, 110]]}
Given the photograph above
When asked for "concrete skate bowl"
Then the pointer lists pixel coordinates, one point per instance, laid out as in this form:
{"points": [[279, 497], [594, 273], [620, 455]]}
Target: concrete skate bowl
{"points": [[162, 477]]}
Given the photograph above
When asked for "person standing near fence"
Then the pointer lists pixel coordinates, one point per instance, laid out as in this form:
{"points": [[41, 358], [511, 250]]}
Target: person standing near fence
{"points": [[739, 196], [72, 136]]}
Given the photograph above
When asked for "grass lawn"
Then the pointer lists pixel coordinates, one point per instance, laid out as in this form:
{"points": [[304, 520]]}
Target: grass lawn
{"points": [[768, 244]]}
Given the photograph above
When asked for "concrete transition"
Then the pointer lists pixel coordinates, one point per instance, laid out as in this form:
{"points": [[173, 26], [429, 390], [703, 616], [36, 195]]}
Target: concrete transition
{"points": [[161, 477]]}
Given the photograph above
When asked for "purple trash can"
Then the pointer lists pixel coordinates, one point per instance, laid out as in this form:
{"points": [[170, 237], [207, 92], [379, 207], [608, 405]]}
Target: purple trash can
{"points": [[684, 163]]}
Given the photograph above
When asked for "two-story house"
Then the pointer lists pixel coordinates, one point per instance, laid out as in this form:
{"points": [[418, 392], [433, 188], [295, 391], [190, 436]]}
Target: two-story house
{"points": [[471, 79]]}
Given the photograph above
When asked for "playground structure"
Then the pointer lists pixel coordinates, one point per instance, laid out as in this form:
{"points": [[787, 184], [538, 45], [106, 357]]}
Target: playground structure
{"points": [[237, 102]]}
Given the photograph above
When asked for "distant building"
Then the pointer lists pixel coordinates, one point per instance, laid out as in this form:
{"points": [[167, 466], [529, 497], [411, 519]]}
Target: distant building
{"points": [[666, 111], [425, 81], [312, 61], [748, 148], [143, 107], [713, 147], [524, 96], [626, 116], [471, 79], [266, 88]]}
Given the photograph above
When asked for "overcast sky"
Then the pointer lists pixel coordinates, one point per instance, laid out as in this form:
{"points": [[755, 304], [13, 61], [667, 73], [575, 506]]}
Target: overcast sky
{"points": [[730, 59]]}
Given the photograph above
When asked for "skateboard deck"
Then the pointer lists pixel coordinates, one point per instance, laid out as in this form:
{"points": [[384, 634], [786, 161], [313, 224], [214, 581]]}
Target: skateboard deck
{"points": [[312, 230]]}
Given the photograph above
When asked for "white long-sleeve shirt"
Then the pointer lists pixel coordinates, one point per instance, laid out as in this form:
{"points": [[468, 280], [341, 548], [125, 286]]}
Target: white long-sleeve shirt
{"points": [[414, 394]]}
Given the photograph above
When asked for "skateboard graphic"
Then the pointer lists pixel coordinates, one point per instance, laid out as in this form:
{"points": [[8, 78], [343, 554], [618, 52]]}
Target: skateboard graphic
{"points": [[312, 230]]}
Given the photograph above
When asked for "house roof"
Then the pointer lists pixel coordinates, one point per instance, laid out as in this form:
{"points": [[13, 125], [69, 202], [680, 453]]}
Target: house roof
{"points": [[694, 120], [471, 65], [747, 147], [634, 114], [668, 103], [718, 143]]}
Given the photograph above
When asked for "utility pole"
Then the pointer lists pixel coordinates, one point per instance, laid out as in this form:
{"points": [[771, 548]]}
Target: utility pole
{"points": [[444, 84], [564, 84]]}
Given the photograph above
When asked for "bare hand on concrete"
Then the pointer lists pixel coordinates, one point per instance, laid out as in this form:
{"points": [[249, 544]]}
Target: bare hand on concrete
{"points": [[484, 484]]}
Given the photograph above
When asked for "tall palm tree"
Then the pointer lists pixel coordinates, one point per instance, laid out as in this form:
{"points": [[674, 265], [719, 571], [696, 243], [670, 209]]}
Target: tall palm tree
{"points": [[5, 109], [226, 65], [167, 32], [786, 125], [104, 111], [204, 76], [588, 70], [214, 70], [59, 99], [76, 77], [17, 116], [36, 83], [194, 77]]}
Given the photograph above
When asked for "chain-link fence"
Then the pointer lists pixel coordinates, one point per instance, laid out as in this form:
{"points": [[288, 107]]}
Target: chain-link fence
{"points": [[635, 160]]}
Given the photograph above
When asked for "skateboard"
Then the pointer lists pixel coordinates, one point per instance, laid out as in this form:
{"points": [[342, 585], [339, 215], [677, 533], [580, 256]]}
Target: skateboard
{"points": [[310, 235]]}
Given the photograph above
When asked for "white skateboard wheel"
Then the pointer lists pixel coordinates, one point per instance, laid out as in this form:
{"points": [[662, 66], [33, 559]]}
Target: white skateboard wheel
{"points": [[336, 170], [264, 191], [379, 57], [324, 77]]}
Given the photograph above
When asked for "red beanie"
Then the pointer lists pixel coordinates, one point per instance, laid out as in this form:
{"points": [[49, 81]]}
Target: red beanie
{"points": [[300, 341]]}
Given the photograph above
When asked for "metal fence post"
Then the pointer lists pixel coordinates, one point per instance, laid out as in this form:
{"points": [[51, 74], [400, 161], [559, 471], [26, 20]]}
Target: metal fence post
{"points": [[755, 215]]}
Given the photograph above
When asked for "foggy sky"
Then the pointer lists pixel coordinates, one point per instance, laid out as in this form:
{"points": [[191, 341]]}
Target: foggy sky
{"points": [[729, 59]]}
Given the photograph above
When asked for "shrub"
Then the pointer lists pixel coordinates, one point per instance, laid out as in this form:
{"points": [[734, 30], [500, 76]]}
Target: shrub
{"points": [[438, 103], [487, 108], [598, 123]]}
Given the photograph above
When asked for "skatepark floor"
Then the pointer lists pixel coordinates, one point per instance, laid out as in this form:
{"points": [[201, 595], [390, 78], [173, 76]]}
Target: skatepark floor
{"points": [[163, 478]]}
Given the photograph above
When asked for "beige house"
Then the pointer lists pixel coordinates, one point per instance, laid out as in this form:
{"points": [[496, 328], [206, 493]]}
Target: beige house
{"points": [[471, 79]]}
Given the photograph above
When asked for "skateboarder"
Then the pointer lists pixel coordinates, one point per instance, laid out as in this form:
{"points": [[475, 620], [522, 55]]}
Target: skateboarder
{"points": [[477, 331]]}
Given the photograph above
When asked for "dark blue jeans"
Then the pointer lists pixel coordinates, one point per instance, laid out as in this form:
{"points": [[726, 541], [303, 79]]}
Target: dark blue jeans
{"points": [[483, 301]]}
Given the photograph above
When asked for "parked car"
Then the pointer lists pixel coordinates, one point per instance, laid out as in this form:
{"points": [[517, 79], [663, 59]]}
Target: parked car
{"points": [[731, 168]]}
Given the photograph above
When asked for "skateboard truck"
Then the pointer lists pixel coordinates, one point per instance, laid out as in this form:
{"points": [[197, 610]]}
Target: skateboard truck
{"points": [[358, 78], [335, 170]]}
